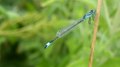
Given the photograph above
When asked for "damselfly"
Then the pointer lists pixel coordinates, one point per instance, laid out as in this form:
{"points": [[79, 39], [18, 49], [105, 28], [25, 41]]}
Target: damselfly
{"points": [[90, 15]]}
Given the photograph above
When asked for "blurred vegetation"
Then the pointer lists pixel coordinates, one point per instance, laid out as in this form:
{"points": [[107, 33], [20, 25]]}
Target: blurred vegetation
{"points": [[27, 25]]}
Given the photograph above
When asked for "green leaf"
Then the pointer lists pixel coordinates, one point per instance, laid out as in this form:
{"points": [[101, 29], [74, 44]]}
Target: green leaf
{"points": [[115, 62]]}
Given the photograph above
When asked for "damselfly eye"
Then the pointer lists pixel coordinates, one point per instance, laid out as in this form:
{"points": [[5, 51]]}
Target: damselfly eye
{"points": [[92, 11]]}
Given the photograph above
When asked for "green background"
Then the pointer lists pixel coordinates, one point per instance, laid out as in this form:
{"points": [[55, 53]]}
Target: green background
{"points": [[27, 25]]}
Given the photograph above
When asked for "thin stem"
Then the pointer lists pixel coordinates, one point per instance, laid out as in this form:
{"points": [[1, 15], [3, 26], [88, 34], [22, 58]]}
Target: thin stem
{"points": [[95, 32]]}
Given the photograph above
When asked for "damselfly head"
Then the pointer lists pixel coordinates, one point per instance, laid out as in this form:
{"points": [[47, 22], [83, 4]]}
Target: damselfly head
{"points": [[92, 11]]}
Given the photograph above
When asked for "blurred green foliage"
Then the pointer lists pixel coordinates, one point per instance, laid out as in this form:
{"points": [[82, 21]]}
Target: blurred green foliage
{"points": [[27, 25]]}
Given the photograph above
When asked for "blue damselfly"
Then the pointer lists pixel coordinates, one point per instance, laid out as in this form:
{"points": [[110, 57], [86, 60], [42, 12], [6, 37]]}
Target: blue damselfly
{"points": [[90, 15]]}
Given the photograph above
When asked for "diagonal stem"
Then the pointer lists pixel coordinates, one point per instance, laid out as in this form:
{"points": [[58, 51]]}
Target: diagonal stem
{"points": [[95, 32]]}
